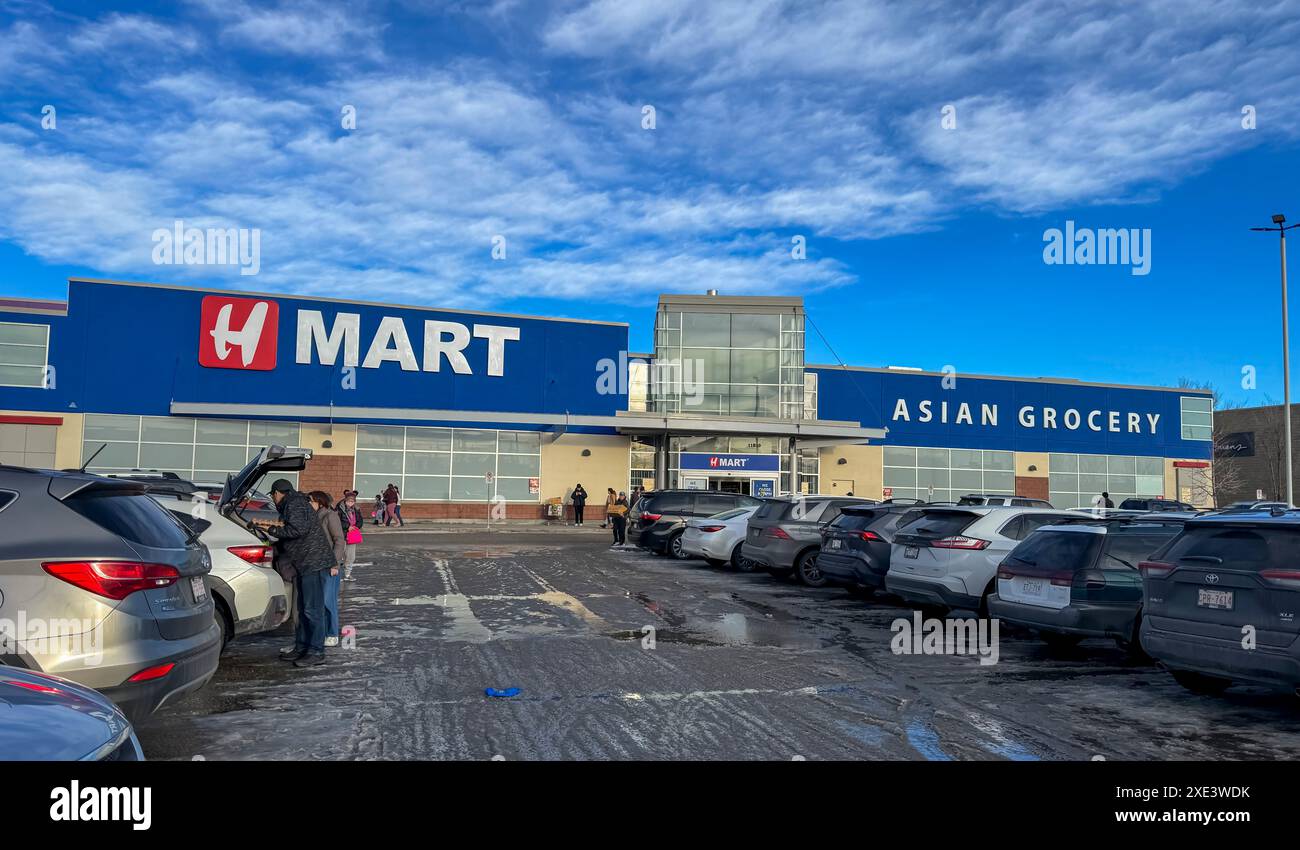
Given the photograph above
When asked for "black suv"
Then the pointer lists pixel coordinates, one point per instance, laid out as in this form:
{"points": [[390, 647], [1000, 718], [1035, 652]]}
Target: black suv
{"points": [[658, 518], [1154, 505], [1077, 579], [855, 546], [1221, 601]]}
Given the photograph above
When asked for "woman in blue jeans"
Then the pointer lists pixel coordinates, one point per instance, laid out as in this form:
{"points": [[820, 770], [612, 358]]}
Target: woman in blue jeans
{"points": [[329, 520]]}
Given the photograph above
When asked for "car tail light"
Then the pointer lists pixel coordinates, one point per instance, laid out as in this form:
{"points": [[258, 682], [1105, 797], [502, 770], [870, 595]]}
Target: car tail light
{"points": [[959, 541], [1006, 571], [1155, 569], [1062, 578], [871, 536], [113, 579], [651, 517], [259, 555], [33, 686], [712, 527], [157, 671], [777, 532], [1282, 578]]}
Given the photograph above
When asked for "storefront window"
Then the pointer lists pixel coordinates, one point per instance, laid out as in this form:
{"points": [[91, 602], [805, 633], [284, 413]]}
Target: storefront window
{"points": [[440, 464], [1197, 417], [729, 364], [23, 354], [945, 475], [200, 450], [1076, 481]]}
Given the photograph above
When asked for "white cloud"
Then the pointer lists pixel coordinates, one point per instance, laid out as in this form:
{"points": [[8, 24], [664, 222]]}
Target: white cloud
{"points": [[774, 118]]}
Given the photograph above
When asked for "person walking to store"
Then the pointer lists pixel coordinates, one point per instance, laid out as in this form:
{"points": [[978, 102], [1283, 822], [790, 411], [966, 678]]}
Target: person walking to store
{"points": [[330, 522], [392, 497], [1105, 500], [378, 512], [610, 499], [350, 520], [579, 502], [302, 539], [618, 518]]}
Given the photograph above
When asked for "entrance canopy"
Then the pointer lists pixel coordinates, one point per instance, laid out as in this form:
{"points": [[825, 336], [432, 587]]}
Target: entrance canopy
{"points": [[809, 433]]}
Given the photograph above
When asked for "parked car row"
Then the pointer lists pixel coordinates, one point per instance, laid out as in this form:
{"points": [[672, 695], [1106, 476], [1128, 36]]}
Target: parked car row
{"points": [[1211, 595], [145, 582]]}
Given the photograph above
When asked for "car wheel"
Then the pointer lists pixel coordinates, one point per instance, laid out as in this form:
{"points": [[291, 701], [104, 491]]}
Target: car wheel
{"points": [[222, 616], [806, 569], [1133, 646], [1199, 683], [675, 547], [739, 561]]}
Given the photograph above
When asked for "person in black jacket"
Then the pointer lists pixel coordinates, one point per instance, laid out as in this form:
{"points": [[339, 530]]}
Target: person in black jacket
{"points": [[579, 502], [302, 540]]}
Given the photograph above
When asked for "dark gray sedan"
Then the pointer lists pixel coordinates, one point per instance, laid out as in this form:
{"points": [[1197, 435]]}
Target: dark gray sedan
{"points": [[45, 718]]}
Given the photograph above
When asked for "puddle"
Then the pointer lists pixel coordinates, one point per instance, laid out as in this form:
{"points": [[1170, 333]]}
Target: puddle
{"points": [[727, 630]]}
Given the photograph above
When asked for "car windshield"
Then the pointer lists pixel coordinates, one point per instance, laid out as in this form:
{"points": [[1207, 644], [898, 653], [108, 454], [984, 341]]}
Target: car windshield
{"points": [[1068, 549], [855, 521], [935, 524], [1245, 548], [135, 518]]}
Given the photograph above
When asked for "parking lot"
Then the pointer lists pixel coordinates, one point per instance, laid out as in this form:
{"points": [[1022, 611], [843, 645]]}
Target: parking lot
{"points": [[619, 654]]}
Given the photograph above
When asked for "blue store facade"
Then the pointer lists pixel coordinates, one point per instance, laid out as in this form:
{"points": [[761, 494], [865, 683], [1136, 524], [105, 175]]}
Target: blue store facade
{"points": [[465, 408]]}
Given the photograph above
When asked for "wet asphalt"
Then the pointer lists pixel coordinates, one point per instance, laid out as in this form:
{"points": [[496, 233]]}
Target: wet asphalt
{"points": [[625, 655]]}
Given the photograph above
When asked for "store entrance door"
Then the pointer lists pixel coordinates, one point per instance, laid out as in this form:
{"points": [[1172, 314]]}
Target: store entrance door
{"points": [[730, 485]]}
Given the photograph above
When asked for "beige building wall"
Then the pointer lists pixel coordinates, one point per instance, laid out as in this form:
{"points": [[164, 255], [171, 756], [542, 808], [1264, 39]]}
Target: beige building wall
{"points": [[863, 465], [1024, 460], [342, 438], [67, 441], [563, 465]]}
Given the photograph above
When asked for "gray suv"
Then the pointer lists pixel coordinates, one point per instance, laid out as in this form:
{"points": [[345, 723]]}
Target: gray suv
{"points": [[121, 583], [785, 534]]}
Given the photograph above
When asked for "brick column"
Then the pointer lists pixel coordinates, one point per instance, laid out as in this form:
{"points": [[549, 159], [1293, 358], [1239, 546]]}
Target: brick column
{"points": [[331, 473]]}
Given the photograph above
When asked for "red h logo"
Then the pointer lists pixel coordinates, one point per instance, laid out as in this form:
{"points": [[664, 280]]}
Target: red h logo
{"points": [[238, 333], [713, 462]]}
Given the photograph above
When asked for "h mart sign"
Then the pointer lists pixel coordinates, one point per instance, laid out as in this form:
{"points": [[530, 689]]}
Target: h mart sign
{"points": [[241, 333]]}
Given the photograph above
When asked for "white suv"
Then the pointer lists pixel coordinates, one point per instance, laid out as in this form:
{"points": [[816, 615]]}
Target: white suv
{"points": [[248, 594], [948, 557]]}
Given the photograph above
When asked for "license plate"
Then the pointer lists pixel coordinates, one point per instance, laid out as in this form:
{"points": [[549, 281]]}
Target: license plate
{"points": [[911, 551], [834, 543], [1220, 599], [1031, 587], [200, 592]]}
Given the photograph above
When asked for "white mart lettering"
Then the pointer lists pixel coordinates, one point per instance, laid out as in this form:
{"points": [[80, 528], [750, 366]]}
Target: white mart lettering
{"points": [[1029, 416], [443, 342]]}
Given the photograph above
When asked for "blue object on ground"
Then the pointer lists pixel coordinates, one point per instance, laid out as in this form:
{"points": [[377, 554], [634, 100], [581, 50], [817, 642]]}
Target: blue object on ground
{"points": [[508, 692]]}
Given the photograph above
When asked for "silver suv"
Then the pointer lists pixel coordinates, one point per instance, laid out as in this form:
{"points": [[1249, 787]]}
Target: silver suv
{"points": [[100, 585], [785, 534]]}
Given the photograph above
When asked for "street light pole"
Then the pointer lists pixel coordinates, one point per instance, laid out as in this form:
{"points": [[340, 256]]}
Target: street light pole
{"points": [[1282, 228]]}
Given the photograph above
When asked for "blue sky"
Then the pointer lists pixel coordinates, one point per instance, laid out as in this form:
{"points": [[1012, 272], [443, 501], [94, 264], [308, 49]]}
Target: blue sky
{"points": [[772, 120]]}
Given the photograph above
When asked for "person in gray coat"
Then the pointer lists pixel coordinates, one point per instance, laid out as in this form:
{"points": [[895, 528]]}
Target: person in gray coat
{"points": [[333, 528]]}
